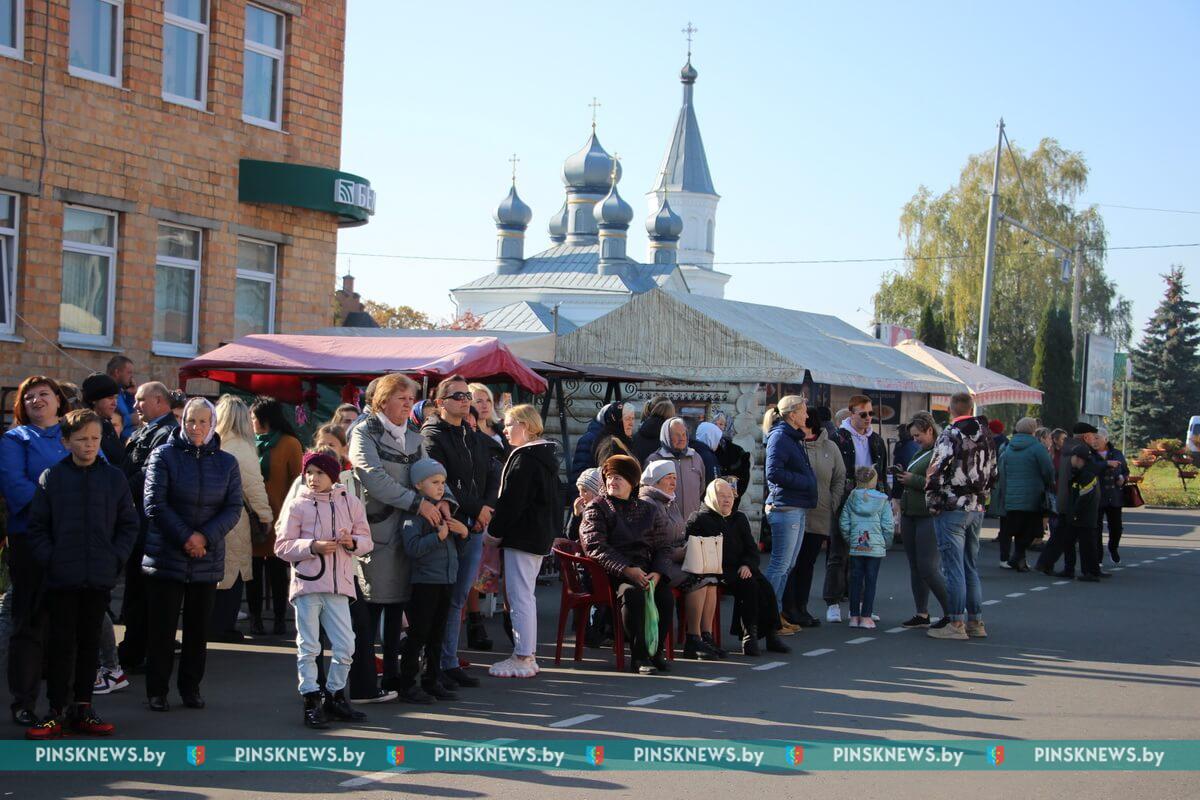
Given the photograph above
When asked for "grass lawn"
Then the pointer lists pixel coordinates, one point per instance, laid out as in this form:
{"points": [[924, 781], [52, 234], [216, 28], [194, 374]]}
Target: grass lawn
{"points": [[1162, 487]]}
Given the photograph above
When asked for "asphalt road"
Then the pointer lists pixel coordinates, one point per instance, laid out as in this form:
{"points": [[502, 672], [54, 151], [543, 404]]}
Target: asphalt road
{"points": [[1064, 660]]}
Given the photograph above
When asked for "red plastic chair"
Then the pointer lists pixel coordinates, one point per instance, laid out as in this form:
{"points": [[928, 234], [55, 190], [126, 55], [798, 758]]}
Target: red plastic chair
{"points": [[681, 608], [576, 597]]}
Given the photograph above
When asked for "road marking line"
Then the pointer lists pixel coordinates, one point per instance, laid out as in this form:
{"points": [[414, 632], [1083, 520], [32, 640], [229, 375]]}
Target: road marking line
{"points": [[818, 652], [1161, 558], [1061, 583], [1039, 588], [645, 701], [897, 629], [1015, 594], [572, 721], [861, 640], [1131, 566], [716, 681], [1148, 561], [1116, 569], [990, 602], [376, 777], [769, 665]]}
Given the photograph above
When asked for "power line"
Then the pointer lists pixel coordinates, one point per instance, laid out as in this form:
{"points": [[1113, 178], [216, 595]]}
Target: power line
{"points": [[891, 259], [1145, 208]]}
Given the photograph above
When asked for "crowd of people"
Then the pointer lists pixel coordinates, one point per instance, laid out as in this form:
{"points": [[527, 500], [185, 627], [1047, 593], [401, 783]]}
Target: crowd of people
{"points": [[389, 525]]}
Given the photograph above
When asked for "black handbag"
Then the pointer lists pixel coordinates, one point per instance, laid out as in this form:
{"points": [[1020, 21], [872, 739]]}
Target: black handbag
{"points": [[259, 533]]}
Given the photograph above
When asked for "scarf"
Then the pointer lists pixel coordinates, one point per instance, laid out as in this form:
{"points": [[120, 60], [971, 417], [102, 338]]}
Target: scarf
{"points": [[264, 443], [664, 438], [393, 430]]}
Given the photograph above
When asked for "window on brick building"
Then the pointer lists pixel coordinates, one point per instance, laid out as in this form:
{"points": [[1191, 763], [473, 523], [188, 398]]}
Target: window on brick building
{"points": [[8, 261], [12, 23], [254, 306], [96, 39], [176, 290], [185, 52], [85, 315], [262, 86]]}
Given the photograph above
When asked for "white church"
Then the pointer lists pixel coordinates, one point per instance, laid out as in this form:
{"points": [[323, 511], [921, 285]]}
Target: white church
{"points": [[587, 272]]}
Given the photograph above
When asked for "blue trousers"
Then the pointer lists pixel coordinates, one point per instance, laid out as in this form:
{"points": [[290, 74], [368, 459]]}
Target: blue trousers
{"points": [[468, 569], [958, 546], [787, 532]]}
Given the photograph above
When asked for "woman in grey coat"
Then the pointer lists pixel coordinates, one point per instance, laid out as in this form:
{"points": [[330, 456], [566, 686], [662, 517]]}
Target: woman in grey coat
{"points": [[382, 448], [819, 522], [689, 466], [658, 487]]}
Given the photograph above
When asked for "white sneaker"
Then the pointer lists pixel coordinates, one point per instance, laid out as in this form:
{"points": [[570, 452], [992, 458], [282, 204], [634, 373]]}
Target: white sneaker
{"points": [[243, 616], [101, 686], [875, 617], [115, 678], [1004, 564], [833, 614], [854, 623]]}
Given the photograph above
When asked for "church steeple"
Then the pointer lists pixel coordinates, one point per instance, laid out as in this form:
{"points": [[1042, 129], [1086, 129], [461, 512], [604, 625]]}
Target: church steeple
{"points": [[684, 172]]}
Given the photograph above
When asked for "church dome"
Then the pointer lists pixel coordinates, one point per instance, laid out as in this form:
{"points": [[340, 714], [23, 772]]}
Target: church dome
{"points": [[590, 168], [613, 211], [665, 224], [688, 74], [558, 225], [512, 211]]}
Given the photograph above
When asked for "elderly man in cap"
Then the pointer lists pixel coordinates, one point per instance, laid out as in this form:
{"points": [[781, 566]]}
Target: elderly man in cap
{"points": [[1079, 470]]}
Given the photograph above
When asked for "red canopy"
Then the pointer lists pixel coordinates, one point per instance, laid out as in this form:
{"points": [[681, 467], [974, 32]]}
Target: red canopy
{"points": [[277, 364]]}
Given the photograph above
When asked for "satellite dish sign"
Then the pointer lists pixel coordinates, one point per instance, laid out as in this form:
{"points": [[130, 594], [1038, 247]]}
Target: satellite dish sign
{"points": [[1099, 358]]}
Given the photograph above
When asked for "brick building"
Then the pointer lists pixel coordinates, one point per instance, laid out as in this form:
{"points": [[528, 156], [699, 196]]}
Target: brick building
{"points": [[168, 178]]}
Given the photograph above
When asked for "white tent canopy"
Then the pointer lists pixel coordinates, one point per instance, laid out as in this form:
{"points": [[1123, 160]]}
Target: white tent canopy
{"points": [[697, 338], [988, 387]]}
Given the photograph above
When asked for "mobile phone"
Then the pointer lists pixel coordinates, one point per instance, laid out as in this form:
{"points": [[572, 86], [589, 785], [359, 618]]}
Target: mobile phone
{"points": [[896, 470]]}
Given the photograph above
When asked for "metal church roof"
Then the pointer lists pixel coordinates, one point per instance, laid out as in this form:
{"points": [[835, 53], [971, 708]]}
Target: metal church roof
{"points": [[526, 317], [575, 267]]}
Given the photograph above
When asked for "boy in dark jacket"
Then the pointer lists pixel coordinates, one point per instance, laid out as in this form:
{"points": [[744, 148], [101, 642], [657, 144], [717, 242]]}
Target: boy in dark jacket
{"points": [[433, 555], [82, 527]]}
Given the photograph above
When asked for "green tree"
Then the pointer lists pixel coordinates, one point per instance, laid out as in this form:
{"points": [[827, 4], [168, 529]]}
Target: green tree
{"points": [[945, 238], [397, 317], [1166, 367], [930, 330], [1053, 370]]}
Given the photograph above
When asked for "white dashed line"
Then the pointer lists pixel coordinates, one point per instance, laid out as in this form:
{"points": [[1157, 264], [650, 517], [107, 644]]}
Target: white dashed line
{"points": [[1116, 569], [990, 602], [572, 721], [1015, 594], [715, 681], [1148, 561], [1039, 588], [769, 665], [1161, 558], [897, 629], [861, 640], [818, 652], [645, 701], [1061, 583]]}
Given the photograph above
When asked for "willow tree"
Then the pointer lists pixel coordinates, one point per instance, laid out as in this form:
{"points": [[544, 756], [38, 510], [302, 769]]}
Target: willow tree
{"points": [[944, 245]]}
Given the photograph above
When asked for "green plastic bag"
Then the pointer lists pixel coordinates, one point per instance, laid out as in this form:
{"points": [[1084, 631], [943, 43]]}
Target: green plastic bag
{"points": [[651, 621]]}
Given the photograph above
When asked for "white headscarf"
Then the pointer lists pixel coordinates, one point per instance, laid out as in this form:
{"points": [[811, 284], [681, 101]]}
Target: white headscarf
{"points": [[197, 401]]}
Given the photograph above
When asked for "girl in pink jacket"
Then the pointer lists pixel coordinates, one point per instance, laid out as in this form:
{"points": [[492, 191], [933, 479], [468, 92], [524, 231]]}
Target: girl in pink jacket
{"points": [[321, 529]]}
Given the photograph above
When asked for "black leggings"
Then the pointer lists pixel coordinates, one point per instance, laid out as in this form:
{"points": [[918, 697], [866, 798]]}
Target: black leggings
{"points": [[799, 582], [924, 563], [632, 600], [428, 608], [392, 615], [1018, 529], [276, 574]]}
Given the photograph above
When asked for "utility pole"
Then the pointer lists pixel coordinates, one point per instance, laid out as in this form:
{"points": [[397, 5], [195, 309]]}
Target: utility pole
{"points": [[1076, 298], [989, 261]]}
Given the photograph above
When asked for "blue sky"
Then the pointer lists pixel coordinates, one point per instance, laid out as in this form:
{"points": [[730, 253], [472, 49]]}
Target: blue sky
{"points": [[820, 122]]}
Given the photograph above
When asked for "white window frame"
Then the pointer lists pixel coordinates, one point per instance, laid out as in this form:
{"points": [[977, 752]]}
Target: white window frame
{"points": [[179, 348], [263, 277], [119, 63], [194, 27], [11, 248], [18, 49], [85, 339], [271, 52]]}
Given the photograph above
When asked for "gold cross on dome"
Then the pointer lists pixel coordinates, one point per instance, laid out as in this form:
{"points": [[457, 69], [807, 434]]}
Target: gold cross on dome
{"points": [[593, 106], [612, 176], [514, 160], [688, 31]]}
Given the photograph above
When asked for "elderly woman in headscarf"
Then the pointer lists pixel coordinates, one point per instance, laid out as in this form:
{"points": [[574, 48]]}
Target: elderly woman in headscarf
{"points": [[193, 499], [689, 466], [733, 460], [658, 486], [616, 421], [706, 442], [754, 604]]}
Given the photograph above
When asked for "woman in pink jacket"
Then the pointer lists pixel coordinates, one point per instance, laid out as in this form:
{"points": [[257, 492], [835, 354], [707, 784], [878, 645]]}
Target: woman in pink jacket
{"points": [[322, 528]]}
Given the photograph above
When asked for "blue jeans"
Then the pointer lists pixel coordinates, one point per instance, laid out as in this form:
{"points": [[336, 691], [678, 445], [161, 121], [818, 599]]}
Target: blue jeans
{"points": [[864, 572], [331, 612], [468, 568], [958, 546], [787, 532]]}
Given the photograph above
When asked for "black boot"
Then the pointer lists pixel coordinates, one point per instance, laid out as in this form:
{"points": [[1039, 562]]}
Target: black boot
{"points": [[256, 626], [775, 644], [477, 638], [750, 642], [694, 647], [708, 639], [314, 715], [339, 708]]}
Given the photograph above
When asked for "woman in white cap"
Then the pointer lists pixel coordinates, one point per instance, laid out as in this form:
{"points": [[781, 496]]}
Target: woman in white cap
{"points": [[658, 486]]}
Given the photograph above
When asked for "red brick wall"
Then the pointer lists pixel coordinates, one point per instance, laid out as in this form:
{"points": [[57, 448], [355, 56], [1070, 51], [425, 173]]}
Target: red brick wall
{"points": [[129, 144]]}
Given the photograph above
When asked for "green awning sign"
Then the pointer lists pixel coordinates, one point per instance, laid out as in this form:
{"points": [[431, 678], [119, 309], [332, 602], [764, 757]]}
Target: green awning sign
{"points": [[348, 196]]}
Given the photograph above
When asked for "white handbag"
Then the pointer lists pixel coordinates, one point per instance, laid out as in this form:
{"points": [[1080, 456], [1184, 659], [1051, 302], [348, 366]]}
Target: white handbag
{"points": [[702, 555]]}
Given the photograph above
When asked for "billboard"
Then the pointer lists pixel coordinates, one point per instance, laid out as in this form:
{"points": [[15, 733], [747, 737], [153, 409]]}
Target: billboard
{"points": [[1099, 357]]}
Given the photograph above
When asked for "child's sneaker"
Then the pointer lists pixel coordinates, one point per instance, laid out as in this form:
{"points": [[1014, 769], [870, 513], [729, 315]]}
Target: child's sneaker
{"points": [[49, 728], [85, 720], [833, 614], [116, 679], [101, 686]]}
